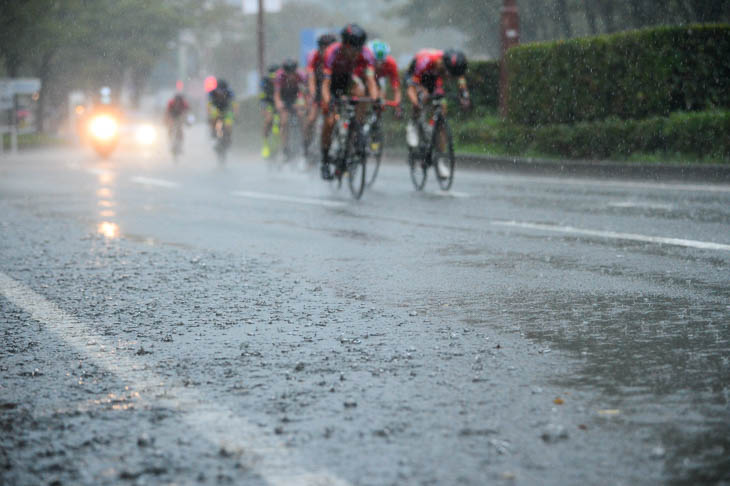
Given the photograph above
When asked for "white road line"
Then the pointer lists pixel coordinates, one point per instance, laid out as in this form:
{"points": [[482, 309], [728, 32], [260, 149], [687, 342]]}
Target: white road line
{"points": [[454, 194], [289, 199], [155, 182], [640, 205], [272, 460], [704, 245], [616, 183]]}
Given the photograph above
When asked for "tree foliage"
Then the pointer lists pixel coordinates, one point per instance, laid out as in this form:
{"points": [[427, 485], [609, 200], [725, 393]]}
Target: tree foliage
{"points": [[557, 19], [83, 43]]}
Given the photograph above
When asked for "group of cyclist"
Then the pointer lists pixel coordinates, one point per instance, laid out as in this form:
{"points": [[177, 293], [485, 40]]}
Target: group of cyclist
{"points": [[335, 69], [351, 68]]}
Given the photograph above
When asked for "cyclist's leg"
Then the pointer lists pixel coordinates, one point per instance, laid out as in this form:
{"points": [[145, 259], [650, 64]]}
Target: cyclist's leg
{"points": [[228, 118], [284, 125], [213, 115], [267, 113], [339, 86], [357, 88], [311, 122]]}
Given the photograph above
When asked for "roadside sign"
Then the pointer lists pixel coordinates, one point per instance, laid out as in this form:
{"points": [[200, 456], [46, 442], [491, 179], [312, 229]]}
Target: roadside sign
{"points": [[26, 86], [308, 41], [252, 6], [6, 96]]}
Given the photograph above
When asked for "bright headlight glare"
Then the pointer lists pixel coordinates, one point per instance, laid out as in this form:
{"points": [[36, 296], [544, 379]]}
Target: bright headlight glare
{"points": [[146, 134], [103, 127]]}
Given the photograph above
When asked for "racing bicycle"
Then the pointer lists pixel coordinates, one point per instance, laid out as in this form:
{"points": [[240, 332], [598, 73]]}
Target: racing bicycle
{"points": [[373, 131], [348, 154], [435, 148]]}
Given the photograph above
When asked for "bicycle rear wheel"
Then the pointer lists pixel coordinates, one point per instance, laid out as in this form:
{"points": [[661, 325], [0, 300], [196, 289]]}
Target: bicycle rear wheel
{"points": [[417, 165], [375, 153], [356, 166], [443, 155]]}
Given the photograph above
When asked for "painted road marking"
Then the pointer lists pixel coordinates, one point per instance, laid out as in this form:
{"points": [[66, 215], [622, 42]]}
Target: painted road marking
{"points": [[614, 183], [640, 205], [148, 181], [289, 199], [455, 194], [274, 462], [704, 245]]}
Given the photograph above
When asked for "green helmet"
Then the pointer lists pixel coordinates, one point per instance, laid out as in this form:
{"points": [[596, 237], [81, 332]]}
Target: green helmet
{"points": [[380, 49]]}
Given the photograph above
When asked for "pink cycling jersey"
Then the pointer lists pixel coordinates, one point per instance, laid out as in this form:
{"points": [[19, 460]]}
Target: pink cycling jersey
{"points": [[288, 86], [337, 64]]}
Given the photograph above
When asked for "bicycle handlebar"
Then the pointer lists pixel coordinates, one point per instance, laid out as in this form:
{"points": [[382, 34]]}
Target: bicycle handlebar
{"points": [[357, 99]]}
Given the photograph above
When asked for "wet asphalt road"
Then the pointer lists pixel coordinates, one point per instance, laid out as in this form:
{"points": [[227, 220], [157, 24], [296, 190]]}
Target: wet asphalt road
{"points": [[189, 324]]}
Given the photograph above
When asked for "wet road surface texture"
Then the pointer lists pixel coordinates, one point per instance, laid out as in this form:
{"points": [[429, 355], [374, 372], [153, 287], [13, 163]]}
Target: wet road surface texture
{"points": [[190, 324]]}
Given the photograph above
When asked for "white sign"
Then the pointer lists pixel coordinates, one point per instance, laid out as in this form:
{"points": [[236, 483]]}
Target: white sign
{"points": [[20, 86], [6, 96], [252, 6]]}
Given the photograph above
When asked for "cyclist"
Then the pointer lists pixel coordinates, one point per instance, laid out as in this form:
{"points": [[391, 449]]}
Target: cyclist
{"points": [[349, 69], [315, 73], [175, 113], [288, 95], [386, 69], [220, 107], [266, 99], [426, 74]]}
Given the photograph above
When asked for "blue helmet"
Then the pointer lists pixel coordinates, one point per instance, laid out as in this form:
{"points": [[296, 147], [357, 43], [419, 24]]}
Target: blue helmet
{"points": [[380, 49]]}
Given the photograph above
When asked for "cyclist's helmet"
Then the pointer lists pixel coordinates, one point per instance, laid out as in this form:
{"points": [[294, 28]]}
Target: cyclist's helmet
{"points": [[325, 40], [353, 35], [380, 49], [222, 85], [290, 65], [455, 62], [272, 68]]}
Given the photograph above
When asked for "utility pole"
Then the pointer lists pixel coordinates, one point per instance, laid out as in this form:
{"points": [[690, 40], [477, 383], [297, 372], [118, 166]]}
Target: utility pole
{"points": [[260, 32], [510, 34]]}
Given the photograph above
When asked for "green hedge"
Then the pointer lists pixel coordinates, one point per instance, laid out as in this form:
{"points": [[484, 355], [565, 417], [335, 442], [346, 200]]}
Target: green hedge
{"points": [[483, 80], [629, 75], [695, 135]]}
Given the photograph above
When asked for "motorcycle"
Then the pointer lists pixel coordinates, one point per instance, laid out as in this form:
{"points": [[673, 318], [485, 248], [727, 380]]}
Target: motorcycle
{"points": [[103, 131]]}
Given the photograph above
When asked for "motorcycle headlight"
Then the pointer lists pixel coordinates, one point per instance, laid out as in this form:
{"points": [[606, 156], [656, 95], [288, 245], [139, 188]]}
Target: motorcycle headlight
{"points": [[146, 135], [103, 127]]}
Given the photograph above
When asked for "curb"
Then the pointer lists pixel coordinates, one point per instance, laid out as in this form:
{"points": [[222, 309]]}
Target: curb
{"points": [[593, 168]]}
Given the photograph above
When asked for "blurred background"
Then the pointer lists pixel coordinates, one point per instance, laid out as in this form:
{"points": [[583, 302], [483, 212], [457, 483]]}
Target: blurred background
{"points": [[146, 51]]}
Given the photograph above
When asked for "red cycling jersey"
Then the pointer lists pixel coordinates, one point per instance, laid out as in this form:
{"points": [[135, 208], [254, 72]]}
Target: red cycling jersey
{"points": [[337, 64], [425, 71], [388, 69], [176, 109], [315, 64], [288, 86]]}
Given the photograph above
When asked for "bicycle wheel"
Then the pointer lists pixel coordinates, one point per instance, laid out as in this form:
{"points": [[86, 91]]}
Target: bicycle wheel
{"points": [[375, 153], [417, 164], [443, 155], [356, 166]]}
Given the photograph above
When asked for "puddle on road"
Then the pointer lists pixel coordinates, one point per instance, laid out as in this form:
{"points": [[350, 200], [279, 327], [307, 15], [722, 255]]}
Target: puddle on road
{"points": [[662, 361]]}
